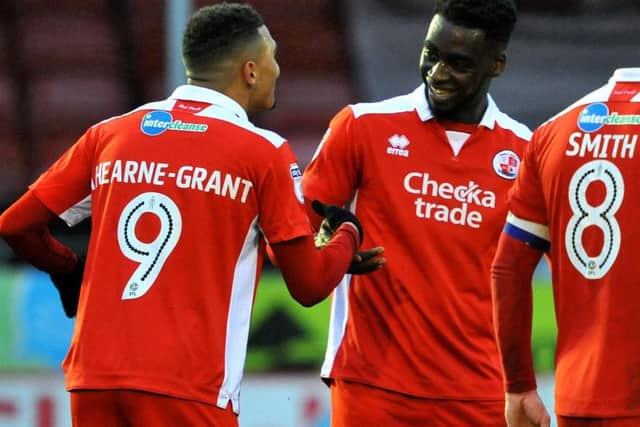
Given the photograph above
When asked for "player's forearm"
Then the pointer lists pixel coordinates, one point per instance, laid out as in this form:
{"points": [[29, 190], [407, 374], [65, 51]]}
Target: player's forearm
{"points": [[311, 274], [511, 276], [24, 226]]}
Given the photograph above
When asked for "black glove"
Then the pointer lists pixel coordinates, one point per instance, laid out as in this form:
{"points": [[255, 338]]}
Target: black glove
{"points": [[336, 215], [68, 286]]}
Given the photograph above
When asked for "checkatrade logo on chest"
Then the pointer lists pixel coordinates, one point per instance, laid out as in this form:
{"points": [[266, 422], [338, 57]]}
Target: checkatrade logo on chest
{"points": [[157, 122], [441, 201]]}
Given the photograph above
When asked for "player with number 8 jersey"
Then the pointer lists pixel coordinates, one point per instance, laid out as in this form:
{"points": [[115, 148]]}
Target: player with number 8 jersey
{"points": [[577, 197]]}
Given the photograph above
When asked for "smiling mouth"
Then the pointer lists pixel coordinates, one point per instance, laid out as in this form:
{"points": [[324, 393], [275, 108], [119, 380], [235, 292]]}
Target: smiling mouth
{"points": [[440, 93]]}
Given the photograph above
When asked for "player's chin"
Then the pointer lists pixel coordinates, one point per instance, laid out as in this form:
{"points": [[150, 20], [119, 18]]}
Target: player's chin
{"points": [[441, 107]]}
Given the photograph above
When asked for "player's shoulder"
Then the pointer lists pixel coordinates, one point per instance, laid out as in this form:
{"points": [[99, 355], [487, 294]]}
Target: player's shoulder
{"points": [[395, 105], [242, 124], [598, 96], [267, 135], [163, 110], [114, 121], [519, 129], [508, 123]]}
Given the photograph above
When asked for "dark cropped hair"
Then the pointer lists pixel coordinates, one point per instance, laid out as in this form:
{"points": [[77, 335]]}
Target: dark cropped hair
{"points": [[496, 18], [214, 32]]}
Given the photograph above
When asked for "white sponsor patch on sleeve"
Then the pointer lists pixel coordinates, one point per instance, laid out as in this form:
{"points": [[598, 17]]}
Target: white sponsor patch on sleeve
{"points": [[296, 175]]}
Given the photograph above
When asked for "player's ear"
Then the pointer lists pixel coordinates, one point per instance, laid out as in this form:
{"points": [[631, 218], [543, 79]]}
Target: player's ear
{"points": [[249, 73], [499, 64]]}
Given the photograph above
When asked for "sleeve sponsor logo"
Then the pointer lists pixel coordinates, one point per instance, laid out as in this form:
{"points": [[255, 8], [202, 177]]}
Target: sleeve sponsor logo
{"points": [[506, 164], [296, 174], [595, 116], [157, 122], [295, 171]]}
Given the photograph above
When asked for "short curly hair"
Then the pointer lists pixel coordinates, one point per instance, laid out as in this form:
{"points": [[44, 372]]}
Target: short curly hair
{"points": [[497, 18], [214, 32]]}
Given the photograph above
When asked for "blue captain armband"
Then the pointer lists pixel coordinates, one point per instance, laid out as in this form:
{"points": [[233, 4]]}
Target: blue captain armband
{"points": [[527, 237]]}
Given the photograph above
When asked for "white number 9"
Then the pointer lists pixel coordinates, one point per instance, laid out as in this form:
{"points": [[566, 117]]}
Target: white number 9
{"points": [[150, 256]]}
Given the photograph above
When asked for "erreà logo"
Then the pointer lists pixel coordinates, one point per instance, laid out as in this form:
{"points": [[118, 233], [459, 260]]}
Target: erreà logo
{"points": [[398, 143], [157, 122]]}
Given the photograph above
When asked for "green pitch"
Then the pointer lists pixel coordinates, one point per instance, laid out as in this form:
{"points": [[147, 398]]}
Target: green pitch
{"points": [[285, 335]]}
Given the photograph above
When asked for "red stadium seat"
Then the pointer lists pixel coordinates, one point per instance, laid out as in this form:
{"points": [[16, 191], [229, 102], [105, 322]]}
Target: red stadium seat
{"points": [[59, 42], [8, 109], [73, 102], [97, 7], [149, 40], [13, 173], [47, 150]]}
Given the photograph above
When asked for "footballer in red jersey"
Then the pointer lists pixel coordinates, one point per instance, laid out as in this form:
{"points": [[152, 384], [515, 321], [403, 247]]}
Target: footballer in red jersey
{"points": [[576, 198], [183, 194], [427, 173]]}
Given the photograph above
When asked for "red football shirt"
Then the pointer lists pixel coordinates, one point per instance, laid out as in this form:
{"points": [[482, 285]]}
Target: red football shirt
{"points": [[422, 325], [181, 193], [578, 190]]}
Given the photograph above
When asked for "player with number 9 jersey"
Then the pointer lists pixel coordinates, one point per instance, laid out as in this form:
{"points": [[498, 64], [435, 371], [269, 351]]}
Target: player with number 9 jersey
{"points": [[577, 192], [156, 214], [183, 196]]}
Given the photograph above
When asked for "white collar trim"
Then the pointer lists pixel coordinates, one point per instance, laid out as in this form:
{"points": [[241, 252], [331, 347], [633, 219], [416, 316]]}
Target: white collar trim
{"points": [[419, 97], [202, 94], [625, 75]]}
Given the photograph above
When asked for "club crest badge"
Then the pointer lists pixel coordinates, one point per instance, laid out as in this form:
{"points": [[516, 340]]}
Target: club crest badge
{"points": [[506, 164]]}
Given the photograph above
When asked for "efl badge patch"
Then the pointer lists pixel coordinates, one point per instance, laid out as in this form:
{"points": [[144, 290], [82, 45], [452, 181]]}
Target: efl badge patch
{"points": [[506, 164], [296, 175]]}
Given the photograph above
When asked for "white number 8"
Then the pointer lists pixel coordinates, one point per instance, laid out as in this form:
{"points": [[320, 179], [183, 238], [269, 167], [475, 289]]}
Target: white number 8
{"points": [[601, 216], [150, 256]]}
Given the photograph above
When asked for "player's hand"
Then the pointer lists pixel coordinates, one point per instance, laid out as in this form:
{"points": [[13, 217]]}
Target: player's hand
{"points": [[367, 261], [525, 410], [68, 286], [323, 235], [335, 216]]}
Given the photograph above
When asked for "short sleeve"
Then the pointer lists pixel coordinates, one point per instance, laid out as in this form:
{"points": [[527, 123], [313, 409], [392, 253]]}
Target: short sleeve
{"points": [[333, 174], [67, 182], [282, 215]]}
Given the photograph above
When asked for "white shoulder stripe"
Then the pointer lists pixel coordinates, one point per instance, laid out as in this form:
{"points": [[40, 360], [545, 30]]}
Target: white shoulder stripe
{"points": [[398, 104], [160, 105], [166, 104], [216, 112], [598, 95], [506, 122], [539, 230]]}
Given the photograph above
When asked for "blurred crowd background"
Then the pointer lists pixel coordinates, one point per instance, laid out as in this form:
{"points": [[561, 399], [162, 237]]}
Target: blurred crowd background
{"points": [[67, 64]]}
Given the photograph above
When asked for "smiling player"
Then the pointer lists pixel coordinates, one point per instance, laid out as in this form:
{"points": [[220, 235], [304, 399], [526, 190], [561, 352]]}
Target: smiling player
{"points": [[428, 175]]}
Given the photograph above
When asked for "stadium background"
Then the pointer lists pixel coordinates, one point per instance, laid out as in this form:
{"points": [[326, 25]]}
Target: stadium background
{"points": [[66, 67]]}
